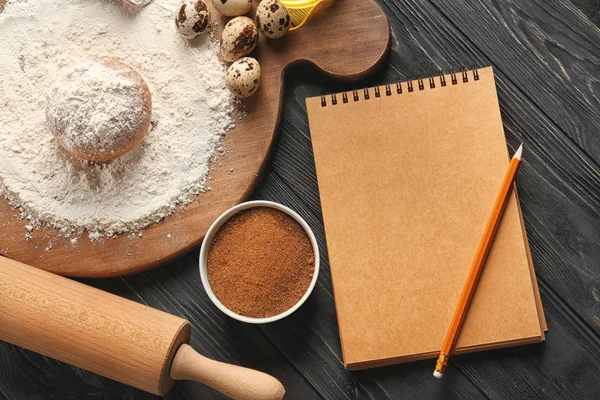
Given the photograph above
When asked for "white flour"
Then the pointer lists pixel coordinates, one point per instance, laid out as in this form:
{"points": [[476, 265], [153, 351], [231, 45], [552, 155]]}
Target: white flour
{"points": [[191, 110]]}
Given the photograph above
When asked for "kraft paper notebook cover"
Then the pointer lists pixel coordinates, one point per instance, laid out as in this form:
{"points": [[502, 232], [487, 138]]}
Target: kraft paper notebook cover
{"points": [[407, 176]]}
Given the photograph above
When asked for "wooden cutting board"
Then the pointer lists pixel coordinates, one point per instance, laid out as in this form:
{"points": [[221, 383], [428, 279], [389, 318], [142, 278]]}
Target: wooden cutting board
{"points": [[344, 38]]}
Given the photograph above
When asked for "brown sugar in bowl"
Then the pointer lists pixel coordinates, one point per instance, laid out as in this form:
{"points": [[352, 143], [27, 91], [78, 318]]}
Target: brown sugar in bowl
{"points": [[231, 256]]}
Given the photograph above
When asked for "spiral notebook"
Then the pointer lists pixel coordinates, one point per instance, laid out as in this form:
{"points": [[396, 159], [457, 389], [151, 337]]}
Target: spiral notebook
{"points": [[407, 175]]}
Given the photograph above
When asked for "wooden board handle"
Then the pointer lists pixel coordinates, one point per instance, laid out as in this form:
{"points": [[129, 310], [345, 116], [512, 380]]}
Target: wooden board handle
{"points": [[236, 382]]}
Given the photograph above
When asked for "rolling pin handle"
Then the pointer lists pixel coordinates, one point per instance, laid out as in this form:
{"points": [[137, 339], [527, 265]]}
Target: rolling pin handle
{"points": [[236, 382]]}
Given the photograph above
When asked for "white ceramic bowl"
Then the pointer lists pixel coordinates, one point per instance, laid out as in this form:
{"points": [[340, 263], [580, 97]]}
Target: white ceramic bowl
{"points": [[214, 228]]}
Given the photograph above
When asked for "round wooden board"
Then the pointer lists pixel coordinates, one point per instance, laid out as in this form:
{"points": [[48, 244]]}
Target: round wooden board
{"points": [[344, 38]]}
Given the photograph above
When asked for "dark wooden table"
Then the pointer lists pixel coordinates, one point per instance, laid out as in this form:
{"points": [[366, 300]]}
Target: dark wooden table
{"points": [[546, 54]]}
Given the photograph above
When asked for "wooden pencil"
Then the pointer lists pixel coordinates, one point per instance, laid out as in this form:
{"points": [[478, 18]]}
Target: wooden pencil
{"points": [[477, 266]]}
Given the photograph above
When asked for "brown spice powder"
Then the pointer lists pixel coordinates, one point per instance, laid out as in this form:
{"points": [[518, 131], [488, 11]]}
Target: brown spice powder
{"points": [[260, 263]]}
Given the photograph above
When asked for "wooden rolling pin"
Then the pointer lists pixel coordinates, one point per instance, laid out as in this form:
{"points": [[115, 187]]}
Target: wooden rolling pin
{"points": [[112, 336]]}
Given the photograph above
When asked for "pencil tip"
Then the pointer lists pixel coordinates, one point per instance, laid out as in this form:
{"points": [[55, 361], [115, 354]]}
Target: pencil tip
{"points": [[519, 152]]}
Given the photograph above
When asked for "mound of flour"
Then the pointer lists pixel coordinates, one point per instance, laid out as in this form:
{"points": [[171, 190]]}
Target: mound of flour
{"points": [[191, 111]]}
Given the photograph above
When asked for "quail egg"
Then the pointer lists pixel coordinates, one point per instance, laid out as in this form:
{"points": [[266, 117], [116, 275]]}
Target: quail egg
{"points": [[232, 8], [192, 18], [272, 18], [243, 77], [238, 39]]}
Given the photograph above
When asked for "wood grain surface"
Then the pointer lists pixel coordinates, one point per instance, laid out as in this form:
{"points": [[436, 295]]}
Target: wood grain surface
{"points": [[546, 54], [232, 176]]}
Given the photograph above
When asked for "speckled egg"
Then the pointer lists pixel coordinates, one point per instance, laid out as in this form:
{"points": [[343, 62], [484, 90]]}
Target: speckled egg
{"points": [[238, 39], [272, 18], [192, 18], [232, 8], [243, 77]]}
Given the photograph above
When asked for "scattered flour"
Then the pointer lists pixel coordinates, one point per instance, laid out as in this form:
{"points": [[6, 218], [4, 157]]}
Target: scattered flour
{"points": [[191, 111]]}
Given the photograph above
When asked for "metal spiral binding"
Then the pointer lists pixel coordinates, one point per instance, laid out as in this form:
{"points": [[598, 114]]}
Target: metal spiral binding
{"points": [[454, 76]]}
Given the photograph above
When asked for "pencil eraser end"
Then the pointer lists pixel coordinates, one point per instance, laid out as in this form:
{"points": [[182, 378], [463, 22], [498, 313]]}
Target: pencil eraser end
{"points": [[438, 375]]}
